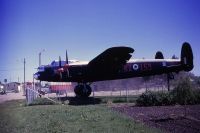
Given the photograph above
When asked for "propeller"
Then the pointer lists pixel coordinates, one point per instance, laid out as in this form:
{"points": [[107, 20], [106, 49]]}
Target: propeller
{"points": [[66, 65], [64, 68], [60, 69], [59, 62], [67, 58]]}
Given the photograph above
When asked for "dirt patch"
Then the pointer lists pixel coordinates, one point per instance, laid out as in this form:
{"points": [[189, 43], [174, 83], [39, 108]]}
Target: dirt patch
{"points": [[168, 118]]}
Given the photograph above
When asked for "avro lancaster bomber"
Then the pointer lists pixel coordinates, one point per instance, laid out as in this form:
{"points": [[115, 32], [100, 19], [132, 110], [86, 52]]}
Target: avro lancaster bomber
{"points": [[113, 63]]}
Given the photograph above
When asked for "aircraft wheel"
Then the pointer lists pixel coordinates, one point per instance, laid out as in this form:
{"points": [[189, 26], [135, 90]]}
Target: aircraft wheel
{"points": [[87, 91], [77, 90], [83, 90]]}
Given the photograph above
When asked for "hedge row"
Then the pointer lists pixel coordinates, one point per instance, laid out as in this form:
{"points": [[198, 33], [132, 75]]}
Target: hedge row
{"points": [[182, 94]]}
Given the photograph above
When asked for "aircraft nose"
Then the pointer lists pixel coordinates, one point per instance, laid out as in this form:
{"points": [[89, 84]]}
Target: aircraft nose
{"points": [[36, 76]]}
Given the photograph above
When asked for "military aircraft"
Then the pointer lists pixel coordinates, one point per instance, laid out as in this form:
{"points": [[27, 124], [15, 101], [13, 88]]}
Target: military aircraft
{"points": [[113, 63]]}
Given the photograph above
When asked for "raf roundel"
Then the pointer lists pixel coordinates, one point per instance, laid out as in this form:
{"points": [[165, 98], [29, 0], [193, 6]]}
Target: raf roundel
{"points": [[135, 67]]}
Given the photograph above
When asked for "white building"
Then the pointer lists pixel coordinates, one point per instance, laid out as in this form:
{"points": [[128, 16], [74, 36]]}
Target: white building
{"points": [[13, 87]]}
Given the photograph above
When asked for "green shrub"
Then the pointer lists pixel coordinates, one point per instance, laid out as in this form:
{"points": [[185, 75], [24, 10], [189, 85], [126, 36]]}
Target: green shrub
{"points": [[146, 99], [154, 99], [166, 98], [182, 94], [119, 100]]}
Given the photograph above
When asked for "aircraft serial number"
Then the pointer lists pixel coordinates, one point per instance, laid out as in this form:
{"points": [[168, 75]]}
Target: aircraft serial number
{"points": [[145, 67]]}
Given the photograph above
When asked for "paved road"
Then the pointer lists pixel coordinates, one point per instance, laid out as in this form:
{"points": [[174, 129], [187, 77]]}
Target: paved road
{"points": [[11, 96]]}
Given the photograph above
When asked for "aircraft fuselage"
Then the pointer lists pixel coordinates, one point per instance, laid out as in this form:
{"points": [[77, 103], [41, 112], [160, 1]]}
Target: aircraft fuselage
{"points": [[133, 68]]}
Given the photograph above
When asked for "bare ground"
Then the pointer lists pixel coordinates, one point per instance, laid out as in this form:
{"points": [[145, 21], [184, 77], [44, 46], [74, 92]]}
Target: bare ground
{"points": [[167, 118]]}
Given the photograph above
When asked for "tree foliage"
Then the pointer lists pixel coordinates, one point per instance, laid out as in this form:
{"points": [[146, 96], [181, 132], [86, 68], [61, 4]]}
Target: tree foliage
{"points": [[183, 93]]}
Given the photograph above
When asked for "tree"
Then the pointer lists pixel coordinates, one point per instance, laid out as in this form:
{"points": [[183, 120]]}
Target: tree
{"points": [[183, 93], [5, 80], [146, 79]]}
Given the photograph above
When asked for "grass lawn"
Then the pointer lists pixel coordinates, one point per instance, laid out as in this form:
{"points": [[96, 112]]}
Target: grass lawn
{"points": [[15, 117]]}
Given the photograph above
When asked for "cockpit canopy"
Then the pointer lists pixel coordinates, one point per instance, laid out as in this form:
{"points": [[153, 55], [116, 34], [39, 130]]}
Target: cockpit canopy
{"points": [[56, 63], [41, 68]]}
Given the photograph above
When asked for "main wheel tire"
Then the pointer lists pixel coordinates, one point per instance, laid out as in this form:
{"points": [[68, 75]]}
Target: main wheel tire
{"points": [[77, 90], [83, 90], [87, 91]]}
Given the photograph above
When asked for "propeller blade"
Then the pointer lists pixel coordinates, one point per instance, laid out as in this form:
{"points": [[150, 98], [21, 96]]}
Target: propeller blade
{"points": [[59, 61], [66, 58]]}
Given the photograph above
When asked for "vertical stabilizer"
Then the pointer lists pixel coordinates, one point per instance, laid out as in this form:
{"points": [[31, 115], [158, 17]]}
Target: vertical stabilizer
{"points": [[187, 57]]}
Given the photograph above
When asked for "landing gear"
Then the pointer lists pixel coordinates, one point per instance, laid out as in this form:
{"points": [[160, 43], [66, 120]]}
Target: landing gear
{"points": [[83, 90]]}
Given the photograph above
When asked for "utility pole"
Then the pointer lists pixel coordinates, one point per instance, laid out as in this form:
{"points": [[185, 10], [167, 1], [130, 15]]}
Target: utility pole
{"points": [[24, 77], [40, 59], [40, 54]]}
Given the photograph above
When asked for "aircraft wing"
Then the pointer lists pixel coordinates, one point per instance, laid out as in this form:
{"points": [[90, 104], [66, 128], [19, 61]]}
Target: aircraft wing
{"points": [[111, 60]]}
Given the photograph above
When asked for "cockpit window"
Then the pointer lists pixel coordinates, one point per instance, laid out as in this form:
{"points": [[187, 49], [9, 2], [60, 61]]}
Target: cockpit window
{"points": [[56, 63], [41, 69], [73, 61]]}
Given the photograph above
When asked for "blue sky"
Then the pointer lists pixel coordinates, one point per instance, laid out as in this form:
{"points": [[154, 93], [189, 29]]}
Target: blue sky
{"points": [[87, 27]]}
